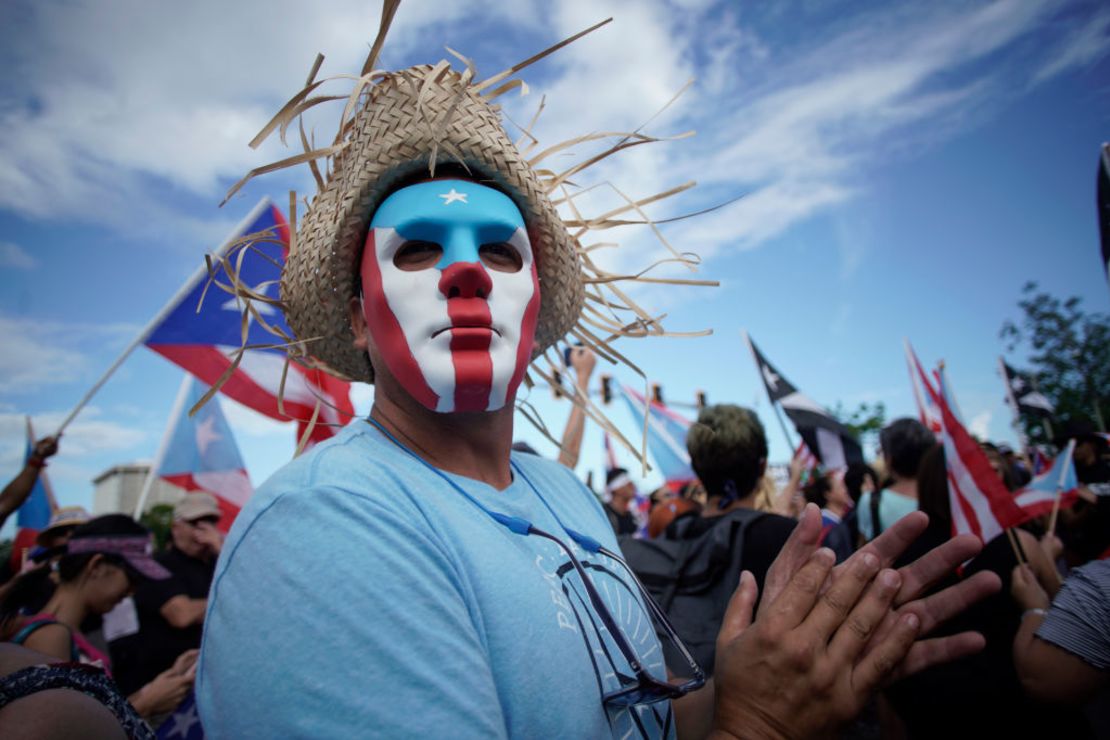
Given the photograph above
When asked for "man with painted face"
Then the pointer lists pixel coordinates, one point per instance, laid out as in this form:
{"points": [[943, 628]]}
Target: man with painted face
{"points": [[413, 577], [449, 295]]}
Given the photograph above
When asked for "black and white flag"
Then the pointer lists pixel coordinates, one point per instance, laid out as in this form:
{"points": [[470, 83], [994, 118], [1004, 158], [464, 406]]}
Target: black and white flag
{"points": [[832, 442], [1023, 394]]}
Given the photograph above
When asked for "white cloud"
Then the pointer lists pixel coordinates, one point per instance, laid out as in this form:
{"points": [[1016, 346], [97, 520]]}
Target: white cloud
{"points": [[110, 113], [91, 433], [14, 256], [980, 425], [41, 352], [1088, 42]]}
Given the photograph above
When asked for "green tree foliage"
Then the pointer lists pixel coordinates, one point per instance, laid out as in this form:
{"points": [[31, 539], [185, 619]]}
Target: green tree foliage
{"points": [[158, 519], [864, 419], [1069, 355]]}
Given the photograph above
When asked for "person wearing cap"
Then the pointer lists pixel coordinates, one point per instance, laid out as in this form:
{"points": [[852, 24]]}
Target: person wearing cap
{"points": [[412, 575], [61, 526], [166, 618], [104, 560]]}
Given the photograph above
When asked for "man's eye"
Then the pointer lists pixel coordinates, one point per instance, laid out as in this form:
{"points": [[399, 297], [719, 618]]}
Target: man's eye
{"points": [[417, 255], [501, 256]]}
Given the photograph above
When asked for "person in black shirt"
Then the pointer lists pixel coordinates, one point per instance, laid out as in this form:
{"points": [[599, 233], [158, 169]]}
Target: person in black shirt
{"points": [[621, 492], [170, 613], [728, 451]]}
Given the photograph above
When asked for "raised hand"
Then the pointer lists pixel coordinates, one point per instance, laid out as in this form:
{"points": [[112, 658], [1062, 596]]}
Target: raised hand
{"points": [[810, 662]]}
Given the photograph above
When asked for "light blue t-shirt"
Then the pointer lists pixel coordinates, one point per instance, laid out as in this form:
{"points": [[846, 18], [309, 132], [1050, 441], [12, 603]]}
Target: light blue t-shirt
{"points": [[360, 595], [892, 507]]}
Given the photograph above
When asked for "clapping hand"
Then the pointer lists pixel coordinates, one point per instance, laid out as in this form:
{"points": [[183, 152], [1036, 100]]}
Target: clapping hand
{"points": [[827, 637]]}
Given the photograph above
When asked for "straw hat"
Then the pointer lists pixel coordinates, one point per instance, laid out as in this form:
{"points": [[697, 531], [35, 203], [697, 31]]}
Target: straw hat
{"points": [[409, 120], [397, 127]]}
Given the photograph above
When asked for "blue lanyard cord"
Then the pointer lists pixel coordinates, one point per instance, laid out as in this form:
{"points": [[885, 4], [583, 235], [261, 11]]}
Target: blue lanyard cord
{"points": [[516, 524], [519, 525]]}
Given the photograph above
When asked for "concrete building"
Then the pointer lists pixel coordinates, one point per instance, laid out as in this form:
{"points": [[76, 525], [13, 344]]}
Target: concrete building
{"points": [[117, 490]]}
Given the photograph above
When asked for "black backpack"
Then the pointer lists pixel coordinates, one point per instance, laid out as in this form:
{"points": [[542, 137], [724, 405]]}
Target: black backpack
{"points": [[692, 577]]}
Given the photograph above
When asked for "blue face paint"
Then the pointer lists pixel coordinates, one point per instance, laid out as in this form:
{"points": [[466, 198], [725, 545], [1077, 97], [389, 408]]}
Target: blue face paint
{"points": [[458, 215], [455, 335]]}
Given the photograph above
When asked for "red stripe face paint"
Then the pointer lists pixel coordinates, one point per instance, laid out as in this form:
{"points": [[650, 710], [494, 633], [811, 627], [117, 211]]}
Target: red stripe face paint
{"points": [[450, 294]]}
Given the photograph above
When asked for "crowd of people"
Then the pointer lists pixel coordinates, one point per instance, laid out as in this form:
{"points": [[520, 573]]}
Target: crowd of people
{"points": [[91, 594], [1055, 597], [418, 574], [95, 611]]}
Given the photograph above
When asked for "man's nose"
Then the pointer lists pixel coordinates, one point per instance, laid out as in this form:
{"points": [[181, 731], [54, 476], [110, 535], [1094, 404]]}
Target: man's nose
{"points": [[465, 280]]}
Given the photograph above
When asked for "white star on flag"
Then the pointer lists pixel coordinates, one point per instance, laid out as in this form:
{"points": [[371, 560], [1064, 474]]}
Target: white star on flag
{"points": [[451, 197], [771, 379], [183, 722], [207, 434]]}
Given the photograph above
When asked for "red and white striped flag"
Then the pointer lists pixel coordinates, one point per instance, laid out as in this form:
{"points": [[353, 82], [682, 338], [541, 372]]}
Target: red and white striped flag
{"points": [[808, 459], [981, 505], [927, 411]]}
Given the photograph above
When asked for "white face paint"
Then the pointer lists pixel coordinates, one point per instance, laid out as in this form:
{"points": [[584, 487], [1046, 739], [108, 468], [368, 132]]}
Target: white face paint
{"points": [[455, 334]]}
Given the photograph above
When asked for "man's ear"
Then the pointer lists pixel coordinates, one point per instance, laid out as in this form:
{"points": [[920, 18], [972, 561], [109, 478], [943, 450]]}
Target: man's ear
{"points": [[358, 323]]}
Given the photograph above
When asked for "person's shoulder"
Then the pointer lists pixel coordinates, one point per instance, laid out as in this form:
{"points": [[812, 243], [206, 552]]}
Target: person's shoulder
{"points": [[549, 473], [771, 528], [352, 476], [1090, 583], [350, 461]]}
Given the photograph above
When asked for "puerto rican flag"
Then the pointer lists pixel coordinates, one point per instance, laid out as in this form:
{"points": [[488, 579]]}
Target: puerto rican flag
{"points": [[810, 463], [666, 437], [35, 511], [980, 503], [1057, 480], [927, 411], [202, 336], [199, 453]]}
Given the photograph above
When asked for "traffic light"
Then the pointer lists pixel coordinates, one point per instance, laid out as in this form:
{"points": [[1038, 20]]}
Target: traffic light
{"points": [[702, 403], [657, 393], [556, 383]]}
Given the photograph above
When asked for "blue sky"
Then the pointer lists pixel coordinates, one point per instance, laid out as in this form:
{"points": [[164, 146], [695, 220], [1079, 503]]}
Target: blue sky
{"points": [[905, 168]]}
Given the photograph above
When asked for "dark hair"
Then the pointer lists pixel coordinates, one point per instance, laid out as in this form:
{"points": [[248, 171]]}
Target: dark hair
{"points": [[854, 477], [817, 491], [932, 490], [1004, 468], [727, 444], [26, 589], [612, 474], [904, 441]]}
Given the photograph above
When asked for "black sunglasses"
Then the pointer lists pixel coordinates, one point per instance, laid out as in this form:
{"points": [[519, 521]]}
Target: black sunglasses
{"points": [[642, 687]]}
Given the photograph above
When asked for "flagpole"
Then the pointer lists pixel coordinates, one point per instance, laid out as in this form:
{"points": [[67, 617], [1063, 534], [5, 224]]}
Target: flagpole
{"points": [[175, 415], [1023, 440], [1060, 485], [946, 387], [778, 414], [166, 310], [910, 362], [43, 477]]}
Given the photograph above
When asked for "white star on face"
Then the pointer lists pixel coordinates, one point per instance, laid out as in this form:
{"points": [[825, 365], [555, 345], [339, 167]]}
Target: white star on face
{"points": [[451, 197], [206, 434]]}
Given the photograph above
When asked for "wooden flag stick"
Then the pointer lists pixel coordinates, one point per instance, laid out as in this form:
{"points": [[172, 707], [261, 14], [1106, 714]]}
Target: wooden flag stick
{"points": [[1015, 543], [1066, 464]]}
